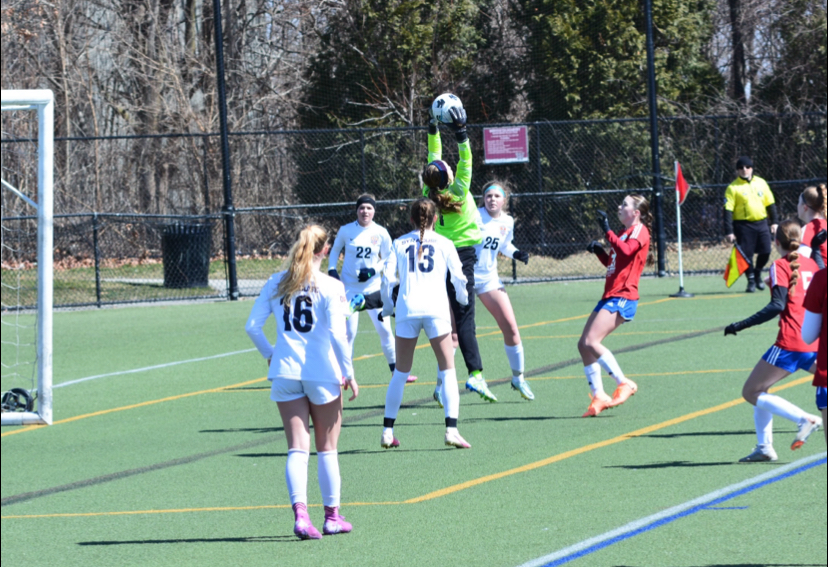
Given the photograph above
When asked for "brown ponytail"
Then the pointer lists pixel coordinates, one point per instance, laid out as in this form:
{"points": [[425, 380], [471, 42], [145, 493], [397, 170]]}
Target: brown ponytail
{"points": [[815, 198], [422, 217], [311, 242], [643, 206], [437, 176], [789, 237]]}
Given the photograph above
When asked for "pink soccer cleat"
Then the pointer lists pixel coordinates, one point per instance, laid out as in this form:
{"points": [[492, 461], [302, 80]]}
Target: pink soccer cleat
{"points": [[334, 523]]}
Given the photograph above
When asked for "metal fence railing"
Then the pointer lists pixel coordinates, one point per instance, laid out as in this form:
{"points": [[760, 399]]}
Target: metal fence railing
{"points": [[159, 198], [103, 259]]}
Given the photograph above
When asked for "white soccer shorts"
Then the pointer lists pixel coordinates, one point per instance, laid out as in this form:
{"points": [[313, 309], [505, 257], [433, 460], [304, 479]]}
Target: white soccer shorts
{"points": [[410, 328], [318, 393]]}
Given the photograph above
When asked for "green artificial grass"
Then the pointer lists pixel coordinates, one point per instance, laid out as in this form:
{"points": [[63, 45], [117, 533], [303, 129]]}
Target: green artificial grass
{"points": [[203, 466]]}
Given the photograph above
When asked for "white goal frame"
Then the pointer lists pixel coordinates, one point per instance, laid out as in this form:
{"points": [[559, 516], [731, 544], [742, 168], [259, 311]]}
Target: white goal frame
{"points": [[43, 102]]}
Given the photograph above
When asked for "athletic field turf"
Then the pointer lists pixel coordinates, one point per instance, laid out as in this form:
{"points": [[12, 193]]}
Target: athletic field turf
{"points": [[170, 452]]}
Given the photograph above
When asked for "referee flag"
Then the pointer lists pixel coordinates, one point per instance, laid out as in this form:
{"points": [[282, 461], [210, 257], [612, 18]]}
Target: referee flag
{"points": [[736, 266]]}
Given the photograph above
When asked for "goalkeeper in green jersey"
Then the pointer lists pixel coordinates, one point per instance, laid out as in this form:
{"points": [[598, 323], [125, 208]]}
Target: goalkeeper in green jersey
{"points": [[458, 221]]}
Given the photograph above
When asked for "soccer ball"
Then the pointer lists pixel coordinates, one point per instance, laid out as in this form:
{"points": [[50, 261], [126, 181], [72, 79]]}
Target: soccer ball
{"points": [[441, 105]]}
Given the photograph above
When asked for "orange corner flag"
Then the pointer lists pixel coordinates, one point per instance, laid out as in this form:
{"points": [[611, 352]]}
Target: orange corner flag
{"points": [[681, 185], [736, 266]]}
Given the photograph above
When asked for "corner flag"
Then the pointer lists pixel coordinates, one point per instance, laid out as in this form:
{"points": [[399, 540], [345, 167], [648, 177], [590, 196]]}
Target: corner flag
{"points": [[681, 185], [736, 266]]}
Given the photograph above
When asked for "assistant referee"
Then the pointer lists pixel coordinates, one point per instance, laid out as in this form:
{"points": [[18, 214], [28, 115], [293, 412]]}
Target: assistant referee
{"points": [[749, 207]]}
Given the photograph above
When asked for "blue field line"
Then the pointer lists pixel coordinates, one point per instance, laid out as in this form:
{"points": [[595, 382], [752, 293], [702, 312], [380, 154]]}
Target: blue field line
{"points": [[682, 514]]}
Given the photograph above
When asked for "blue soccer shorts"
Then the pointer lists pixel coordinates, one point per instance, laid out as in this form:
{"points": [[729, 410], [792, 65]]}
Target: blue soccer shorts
{"points": [[821, 398], [789, 360], [625, 307]]}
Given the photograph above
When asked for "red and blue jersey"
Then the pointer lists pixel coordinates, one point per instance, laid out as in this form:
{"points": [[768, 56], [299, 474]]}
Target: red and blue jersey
{"points": [[791, 318], [625, 261], [817, 302]]}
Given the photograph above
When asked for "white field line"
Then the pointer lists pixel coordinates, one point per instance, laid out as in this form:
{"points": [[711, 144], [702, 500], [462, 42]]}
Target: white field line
{"points": [[638, 524], [155, 367]]}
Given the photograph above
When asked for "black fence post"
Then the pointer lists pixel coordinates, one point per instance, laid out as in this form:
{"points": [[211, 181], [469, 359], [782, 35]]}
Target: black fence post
{"points": [[658, 193], [362, 155], [228, 209], [97, 253]]}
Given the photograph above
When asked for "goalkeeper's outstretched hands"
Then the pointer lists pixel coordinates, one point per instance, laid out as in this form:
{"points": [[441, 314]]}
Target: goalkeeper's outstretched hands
{"points": [[458, 123]]}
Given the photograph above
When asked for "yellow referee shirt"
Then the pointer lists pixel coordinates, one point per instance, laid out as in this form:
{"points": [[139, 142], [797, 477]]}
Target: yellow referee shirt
{"points": [[748, 200]]}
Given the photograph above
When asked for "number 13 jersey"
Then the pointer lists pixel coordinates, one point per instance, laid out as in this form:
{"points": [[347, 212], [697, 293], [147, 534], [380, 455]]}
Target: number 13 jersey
{"points": [[310, 339], [422, 277]]}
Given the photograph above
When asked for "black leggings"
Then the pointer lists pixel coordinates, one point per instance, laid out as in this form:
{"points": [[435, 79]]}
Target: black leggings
{"points": [[464, 314], [754, 238]]}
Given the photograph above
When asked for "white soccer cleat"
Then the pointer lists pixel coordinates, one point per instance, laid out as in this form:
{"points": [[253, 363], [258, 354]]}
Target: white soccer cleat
{"points": [[807, 426], [761, 454], [388, 441], [454, 439]]}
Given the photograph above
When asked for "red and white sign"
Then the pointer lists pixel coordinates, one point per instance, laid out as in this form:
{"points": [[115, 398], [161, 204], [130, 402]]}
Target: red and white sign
{"points": [[508, 144]]}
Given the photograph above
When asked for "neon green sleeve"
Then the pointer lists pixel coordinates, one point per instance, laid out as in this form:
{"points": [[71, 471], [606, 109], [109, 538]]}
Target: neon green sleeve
{"points": [[462, 180], [730, 198], [767, 195]]}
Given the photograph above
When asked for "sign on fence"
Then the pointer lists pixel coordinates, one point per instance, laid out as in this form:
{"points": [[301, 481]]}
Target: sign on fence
{"points": [[506, 145]]}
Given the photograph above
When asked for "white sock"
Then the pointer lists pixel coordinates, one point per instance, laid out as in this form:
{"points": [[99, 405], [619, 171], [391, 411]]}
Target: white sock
{"points": [[330, 483], [451, 393], [296, 475], [763, 420], [593, 374], [394, 396], [386, 335], [608, 363], [515, 356], [781, 407]]}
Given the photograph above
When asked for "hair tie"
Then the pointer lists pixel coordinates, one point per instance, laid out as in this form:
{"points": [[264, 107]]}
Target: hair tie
{"points": [[497, 188], [366, 200]]}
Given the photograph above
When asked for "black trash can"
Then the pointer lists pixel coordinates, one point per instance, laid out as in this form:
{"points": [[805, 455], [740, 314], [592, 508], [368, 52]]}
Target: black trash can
{"points": [[185, 250]]}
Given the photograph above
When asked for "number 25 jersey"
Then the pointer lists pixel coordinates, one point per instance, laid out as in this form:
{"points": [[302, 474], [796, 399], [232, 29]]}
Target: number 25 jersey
{"points": [[310, 340], [422, 277]]}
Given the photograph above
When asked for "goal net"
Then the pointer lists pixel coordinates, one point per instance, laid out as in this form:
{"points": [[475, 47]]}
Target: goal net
{"points": [[26, 157]]}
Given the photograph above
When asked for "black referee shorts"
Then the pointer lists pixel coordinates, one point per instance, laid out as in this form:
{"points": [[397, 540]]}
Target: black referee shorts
{"points": [[753, 237]]}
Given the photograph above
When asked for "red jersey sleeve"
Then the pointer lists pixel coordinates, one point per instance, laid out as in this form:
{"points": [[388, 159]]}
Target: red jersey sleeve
{"points": [[627, 247], [816, 297]]}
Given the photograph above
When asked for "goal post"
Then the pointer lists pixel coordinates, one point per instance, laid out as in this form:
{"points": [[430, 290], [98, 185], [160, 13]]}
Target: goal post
{"points": [[24, 103]]}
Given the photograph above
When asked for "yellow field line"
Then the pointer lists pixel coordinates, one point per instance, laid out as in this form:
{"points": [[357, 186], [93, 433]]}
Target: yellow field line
{"points": [[457, 487], [185, 510], [133, 406], [364, 357], [586, 449]]}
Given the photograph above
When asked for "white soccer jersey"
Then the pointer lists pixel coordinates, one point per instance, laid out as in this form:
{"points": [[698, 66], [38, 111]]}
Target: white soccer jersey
{"points": [[497, 239], [365, 247], [310, 339], [422, 279]]}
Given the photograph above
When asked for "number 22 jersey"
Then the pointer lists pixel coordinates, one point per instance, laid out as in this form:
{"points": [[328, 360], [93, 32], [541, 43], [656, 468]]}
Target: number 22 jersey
{"points": [[310, 340]]}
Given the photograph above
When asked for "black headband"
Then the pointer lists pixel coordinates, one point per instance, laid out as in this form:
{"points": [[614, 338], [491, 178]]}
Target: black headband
{"points": [[441, 167], [365, 199]]}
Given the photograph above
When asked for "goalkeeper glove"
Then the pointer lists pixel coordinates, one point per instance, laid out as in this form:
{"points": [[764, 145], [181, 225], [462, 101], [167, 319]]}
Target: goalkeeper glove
{"points": [[458, 123], [595, 248], [603, 221], [366, 274]]}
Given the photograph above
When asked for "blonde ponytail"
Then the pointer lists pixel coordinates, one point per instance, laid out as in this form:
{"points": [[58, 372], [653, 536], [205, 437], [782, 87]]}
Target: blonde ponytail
{"points": [[299, 274]]}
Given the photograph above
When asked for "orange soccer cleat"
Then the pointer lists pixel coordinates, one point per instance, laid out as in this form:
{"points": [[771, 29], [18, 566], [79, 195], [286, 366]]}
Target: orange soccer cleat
{"points": [[623, 393], [599, 403]]}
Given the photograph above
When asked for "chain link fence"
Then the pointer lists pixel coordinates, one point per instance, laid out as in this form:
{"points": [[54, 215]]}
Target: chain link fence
{"points": [[162, 236]]}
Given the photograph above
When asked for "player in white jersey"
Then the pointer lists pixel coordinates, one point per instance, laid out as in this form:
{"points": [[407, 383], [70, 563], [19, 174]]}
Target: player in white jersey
{"points": [[419, 264], [367, 246], [498, 230], [308, 365]]}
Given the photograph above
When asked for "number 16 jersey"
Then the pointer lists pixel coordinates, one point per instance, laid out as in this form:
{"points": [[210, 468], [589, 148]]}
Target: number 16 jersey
{"points": [[310, 340], [422, 277]]}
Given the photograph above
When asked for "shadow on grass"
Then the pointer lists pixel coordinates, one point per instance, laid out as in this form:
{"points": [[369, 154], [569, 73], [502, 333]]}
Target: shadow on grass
{"points": [[259, 539], [525, 418], [701, 434], [246, 430], [673, 464]]}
